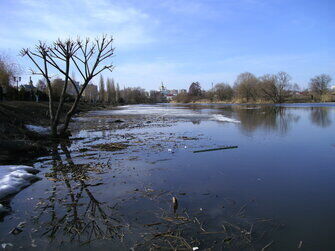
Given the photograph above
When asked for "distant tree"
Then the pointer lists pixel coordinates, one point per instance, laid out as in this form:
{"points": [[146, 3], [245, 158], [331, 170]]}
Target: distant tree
{"points": [[112, 91], [223, 91], [41, 86], [85, 57], [319, 85], [283, 86], [109, 91], [102, 92], [156, 97], [57, 86], [245, 86], [7, 70], [117, 94], [275, 87], [195, 89]]}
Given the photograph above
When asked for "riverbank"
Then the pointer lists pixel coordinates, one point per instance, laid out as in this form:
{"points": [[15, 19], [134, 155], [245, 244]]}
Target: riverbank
{"points": [[16, 121], [257, 102]]}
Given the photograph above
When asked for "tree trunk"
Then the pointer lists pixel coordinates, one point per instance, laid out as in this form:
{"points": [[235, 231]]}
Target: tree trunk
{"points": [[69, 115], [61, 99]]}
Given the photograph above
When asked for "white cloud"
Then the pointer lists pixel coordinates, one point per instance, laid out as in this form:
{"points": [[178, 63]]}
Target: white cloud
{"points": [[48, 20]]}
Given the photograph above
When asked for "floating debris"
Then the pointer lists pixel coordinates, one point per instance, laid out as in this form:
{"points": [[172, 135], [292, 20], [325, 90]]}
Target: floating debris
{"points": [[111, 146], [215, 149], [188, 138], [118, 121], [175, 204]]}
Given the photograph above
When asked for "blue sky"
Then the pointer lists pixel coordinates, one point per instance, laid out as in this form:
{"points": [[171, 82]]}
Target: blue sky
{"points": [[181, 41]]}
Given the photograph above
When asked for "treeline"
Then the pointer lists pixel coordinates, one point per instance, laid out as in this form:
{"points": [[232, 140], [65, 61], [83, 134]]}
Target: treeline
{"points": [[110, 93], [274, 88], [107, 92]]}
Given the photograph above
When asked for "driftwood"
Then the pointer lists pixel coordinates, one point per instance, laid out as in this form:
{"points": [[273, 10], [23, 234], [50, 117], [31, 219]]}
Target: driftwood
{"points": [[215, 149]]}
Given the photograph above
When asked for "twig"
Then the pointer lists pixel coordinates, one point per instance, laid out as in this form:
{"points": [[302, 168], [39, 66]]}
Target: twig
{"points": [[266, 246]]}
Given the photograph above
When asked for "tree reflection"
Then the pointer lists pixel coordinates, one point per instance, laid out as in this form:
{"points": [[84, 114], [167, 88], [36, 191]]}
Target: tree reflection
{"points": [[320, 116], [72, 212], [272, 118]]}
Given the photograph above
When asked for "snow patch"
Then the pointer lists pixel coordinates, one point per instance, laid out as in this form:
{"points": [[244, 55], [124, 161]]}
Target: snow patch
{"points": [[15, 178], [38, 129], [222, 118]]}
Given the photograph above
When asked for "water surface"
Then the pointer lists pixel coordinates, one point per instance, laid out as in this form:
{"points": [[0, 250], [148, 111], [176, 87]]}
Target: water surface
{"points": [[275, 190]]}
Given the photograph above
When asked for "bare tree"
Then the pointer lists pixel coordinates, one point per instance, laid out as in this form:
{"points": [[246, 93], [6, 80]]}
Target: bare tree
{"points": [[275, 87], [117, 93], [245, 86], [223, 91], [195, 89], [7, 70], [102, 92], [319, 85], [283, 85], [87, 57]]}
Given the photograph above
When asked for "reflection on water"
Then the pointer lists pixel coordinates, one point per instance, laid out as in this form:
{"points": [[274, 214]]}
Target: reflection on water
{"points": [[271, 118], [75, 215], [321, 116]]}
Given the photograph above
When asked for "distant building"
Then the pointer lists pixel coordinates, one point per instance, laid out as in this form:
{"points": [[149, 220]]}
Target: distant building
{"points": [[29, 86], [168, 94], [163, 89]]}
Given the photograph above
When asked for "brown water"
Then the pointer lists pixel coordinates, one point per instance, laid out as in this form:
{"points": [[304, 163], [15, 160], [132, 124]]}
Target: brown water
{"points": [[275, 190]]}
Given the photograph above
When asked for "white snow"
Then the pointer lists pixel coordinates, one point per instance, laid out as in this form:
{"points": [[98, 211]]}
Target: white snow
{"points": [[15, 178], [222, 118], [38, 129]]}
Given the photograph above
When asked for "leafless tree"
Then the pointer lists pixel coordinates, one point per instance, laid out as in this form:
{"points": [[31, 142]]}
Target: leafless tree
{"points": [[102, 92], [275, 87], [7, 70], [245, 86], [319, 85], [111, 91], [223, 91], [195, 89], [86, 57]]}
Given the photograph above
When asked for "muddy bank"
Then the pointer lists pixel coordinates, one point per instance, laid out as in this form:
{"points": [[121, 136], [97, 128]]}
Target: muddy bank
{"points": [[17, 139]]}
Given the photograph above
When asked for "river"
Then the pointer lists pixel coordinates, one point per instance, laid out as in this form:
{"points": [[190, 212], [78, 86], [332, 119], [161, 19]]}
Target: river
{"points": [[112, 186]]}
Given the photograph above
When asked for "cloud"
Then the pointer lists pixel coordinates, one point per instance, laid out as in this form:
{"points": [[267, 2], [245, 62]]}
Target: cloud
{"points": [[47, 20]]}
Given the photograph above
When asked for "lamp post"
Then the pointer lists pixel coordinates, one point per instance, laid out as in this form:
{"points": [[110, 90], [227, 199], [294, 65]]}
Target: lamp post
{"points": [[17, 80]]}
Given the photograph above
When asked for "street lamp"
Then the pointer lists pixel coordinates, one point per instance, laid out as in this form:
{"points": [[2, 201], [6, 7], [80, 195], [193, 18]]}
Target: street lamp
{"points": [[17, 80]]}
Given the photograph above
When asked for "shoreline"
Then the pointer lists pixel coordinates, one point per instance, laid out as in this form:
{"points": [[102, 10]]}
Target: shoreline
{"points": [[249, 103], [18, 143]]}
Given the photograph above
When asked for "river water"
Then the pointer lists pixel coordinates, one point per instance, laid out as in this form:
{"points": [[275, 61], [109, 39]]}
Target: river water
{"points": [[112, 185]]}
